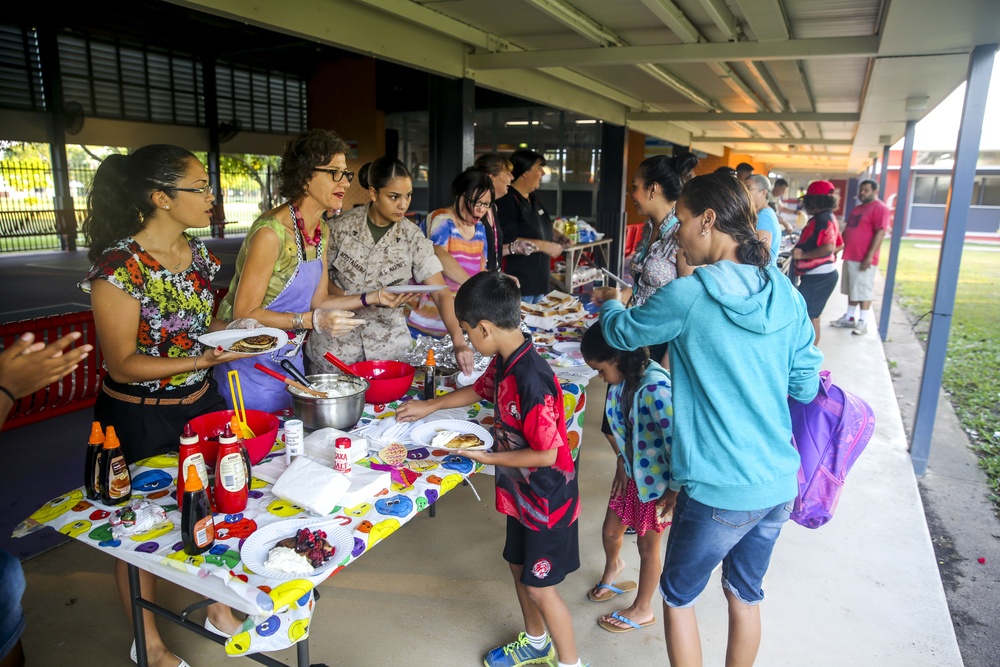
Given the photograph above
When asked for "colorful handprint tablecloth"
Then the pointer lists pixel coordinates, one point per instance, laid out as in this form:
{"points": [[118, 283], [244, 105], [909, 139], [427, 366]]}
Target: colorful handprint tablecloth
{"points": [[279, 611]]}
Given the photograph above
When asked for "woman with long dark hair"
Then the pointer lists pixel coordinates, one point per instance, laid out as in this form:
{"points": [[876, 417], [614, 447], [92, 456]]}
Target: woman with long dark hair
{"points": [[740, 343], [500, 171], [459, 239], [151, 292], [372, 246]]}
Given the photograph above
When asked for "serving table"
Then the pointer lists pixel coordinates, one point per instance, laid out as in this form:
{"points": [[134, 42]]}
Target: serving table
{"points": [[280, 610]]}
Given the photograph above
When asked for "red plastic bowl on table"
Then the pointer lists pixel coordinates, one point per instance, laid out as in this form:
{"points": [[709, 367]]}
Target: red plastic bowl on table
{"points": [[211, 425], [387, 380]]}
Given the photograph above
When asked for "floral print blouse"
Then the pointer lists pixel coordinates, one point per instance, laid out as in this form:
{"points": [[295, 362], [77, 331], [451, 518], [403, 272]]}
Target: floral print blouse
{"points": [[655, 261], [174, 308]]}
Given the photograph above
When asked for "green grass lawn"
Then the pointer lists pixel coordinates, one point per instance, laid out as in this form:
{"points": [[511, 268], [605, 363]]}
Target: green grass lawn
{"points": [[972, 368]]}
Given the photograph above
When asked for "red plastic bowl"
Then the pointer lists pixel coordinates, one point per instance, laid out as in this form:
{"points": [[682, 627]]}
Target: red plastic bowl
{"points": [[210, 426], [387, 380]]}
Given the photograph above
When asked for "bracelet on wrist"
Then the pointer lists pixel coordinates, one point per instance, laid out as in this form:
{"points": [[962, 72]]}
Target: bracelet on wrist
{"points": [[196, 364], [297, 322], [364, 299], [9, 395]]}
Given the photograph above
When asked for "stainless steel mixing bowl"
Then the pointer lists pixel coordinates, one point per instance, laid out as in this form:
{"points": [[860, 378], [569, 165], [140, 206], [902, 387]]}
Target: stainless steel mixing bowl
{"points": [[341, 412]]}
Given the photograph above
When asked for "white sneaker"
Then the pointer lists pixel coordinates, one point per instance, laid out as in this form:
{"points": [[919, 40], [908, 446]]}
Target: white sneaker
{"points": [[844, 322], [861, 328]]}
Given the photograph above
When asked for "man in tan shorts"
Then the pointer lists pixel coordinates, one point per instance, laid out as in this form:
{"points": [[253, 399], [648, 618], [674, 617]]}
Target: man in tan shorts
{"points": [[866, 227]]}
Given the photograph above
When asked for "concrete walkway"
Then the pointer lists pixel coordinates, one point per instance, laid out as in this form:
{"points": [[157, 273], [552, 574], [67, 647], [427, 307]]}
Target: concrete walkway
{"points": [[863, 590]]}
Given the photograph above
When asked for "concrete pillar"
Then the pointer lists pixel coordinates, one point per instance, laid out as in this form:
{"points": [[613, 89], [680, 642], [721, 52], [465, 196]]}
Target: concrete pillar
{"points": [[899, 223], [956, 219], [210, 92], [884, 174], [611, 191], [452, 109], [65, 215]]}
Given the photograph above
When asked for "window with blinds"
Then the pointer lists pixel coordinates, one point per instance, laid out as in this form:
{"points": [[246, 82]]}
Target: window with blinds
{"points": [[119, 80], [260, 101], [20, 69]]}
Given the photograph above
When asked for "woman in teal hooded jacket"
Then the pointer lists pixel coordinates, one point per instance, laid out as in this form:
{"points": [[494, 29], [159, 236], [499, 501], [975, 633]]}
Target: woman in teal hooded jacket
{"points": [[740, 343]]}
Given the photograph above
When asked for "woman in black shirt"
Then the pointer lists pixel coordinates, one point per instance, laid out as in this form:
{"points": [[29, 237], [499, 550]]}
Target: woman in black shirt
{"points": [[521, 216]]}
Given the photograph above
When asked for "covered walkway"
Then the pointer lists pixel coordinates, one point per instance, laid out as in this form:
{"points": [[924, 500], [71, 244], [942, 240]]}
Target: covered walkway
{"points": [[863, 590]]}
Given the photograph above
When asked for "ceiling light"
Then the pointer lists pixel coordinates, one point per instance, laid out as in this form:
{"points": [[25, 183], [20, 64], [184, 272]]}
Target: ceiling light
{"points": [[587, 121], [523, 122]]}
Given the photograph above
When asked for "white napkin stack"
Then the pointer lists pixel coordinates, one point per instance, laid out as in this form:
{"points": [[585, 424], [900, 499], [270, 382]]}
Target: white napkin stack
{"points": [[312, 486], [320, 445]]}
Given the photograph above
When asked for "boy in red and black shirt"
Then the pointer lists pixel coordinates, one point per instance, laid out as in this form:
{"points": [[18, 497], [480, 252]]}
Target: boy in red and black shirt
{"points": [[536, 481]]}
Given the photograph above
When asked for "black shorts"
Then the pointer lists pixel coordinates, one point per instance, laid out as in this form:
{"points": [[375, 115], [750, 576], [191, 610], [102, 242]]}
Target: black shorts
{"points": [[547, 555], [816, 288], [148, 430]]}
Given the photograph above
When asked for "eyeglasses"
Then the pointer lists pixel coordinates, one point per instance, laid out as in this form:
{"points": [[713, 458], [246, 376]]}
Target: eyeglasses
{"points": [[482, 205], [204, 192], [338, 174]]}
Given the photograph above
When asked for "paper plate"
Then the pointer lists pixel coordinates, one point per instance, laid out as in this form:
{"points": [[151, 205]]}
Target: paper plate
{"points": [[259, 544], [228, 337], [566, 347], [423, 434], [412, 289]]}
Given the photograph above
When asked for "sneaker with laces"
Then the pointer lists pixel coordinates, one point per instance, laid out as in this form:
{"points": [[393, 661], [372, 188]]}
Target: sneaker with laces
{"points": [[844, 322], [861, 328], [521, 652]]}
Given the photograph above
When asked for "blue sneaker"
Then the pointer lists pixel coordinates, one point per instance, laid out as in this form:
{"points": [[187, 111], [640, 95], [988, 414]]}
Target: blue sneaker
{"points": [[521, 652]]}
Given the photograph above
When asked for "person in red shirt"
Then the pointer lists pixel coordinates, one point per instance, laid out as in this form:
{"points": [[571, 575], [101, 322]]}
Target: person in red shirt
{"points": [[815, 253], [536, 477], [866, 227]]}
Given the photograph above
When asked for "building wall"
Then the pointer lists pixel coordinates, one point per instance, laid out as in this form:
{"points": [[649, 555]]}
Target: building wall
{"points": [[350, 111]]}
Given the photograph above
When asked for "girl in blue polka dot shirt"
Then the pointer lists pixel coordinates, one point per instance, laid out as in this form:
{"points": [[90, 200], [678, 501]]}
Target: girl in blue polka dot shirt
{"points": [[640, 412]]}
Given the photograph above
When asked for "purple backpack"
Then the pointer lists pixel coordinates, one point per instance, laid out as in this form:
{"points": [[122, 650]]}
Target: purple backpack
{"points": [[829, 433]]}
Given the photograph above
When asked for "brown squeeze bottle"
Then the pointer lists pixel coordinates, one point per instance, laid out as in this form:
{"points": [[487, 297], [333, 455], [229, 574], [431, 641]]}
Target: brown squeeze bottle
{"points": [[197, 524], [115, 482], [430, 375], [91, 469]]}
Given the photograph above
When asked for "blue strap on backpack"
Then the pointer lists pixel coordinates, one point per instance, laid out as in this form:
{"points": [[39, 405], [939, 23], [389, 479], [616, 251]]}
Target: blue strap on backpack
{"points": [[829, 433]]}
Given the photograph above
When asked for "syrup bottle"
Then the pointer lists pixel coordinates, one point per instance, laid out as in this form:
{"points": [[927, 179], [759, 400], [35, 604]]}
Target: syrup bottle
{"points": [[197, 525], [189, 454], [91, 469], [235, 426], [231, 484], [430, 375], [115, 481]]}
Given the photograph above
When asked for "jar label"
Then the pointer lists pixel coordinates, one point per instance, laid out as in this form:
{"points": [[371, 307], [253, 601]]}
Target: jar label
{"points": [[198, 461], [119, 482], [204, 531]]}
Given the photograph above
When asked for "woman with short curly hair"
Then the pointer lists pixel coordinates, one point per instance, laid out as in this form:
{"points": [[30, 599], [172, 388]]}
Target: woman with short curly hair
{"points": [[280, 279]]}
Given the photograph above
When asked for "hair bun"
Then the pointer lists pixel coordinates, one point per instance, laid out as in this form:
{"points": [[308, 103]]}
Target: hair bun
{"points": [[363, 175]]}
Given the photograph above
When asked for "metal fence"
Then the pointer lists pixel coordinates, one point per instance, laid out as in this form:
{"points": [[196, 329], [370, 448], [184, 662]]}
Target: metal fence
{"points": [[28, 216]]}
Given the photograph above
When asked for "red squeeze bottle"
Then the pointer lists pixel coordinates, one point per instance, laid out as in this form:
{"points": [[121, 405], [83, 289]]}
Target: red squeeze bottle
{"points": [[231, 484], [189, 454], [197, 524], [234, 424]]}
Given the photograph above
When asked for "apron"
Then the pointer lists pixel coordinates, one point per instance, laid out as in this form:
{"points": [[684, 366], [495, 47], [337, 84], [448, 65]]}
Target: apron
{"points": [[261, 391]]}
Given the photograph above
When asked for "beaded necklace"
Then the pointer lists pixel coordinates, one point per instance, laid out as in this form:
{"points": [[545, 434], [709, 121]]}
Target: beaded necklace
{"points": [[300, 223]]}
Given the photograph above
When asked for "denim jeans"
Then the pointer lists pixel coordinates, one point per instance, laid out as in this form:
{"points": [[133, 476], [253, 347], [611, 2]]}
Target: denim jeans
{"points": [[11, 590], [701, 536], [532, 298]]}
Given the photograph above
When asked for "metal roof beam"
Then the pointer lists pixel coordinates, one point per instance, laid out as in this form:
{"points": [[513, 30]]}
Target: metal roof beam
{"points": [[722, 17], [786, 117], [792, 49], [788, 141], [673, 17]]}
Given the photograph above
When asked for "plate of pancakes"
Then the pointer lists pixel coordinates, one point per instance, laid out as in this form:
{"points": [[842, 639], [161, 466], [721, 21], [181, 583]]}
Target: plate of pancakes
{"points": [[453, 434], [250, 342]]}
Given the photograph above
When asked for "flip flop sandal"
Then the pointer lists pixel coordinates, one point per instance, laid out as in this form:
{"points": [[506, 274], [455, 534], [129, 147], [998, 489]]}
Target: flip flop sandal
{"points": [[616, 590], [611, 627]]}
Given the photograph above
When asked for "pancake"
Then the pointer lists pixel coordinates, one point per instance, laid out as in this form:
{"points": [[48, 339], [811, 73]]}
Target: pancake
{"points": [[254, 344]]}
